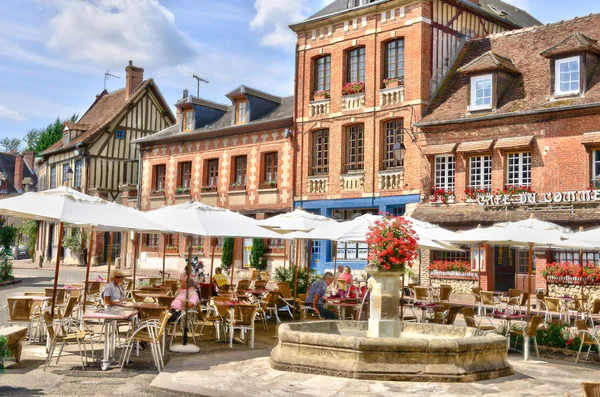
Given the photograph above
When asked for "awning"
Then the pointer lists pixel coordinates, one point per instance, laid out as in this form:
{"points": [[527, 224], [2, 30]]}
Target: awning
{"points": [[473, 147], [590, 138], [517, 142], [439, 149]]}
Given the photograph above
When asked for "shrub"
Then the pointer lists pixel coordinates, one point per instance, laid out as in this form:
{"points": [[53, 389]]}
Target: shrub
{"points": [[256, 255], [4, 351], [29, 229], [8, 234]]}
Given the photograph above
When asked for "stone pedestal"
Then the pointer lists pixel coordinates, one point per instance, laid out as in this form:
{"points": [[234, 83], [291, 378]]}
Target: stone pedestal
{"points": [[15, 336], [384, 319]]}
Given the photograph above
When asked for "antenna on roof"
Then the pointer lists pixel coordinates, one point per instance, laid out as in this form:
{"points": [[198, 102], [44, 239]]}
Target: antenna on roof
{"points": [[199, 79], [107, 75]]}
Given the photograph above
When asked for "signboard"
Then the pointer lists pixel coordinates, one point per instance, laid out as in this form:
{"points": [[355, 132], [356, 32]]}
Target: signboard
{"points": [[568, 197]]}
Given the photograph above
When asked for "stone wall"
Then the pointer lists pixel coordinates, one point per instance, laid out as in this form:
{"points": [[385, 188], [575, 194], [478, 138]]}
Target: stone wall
{"points": [[591, 291], [459, 287]]}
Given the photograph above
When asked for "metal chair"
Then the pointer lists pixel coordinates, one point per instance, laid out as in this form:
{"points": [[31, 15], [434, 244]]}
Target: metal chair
{"points": [[242, 318], [528, 332], [67, 330], [20, 311], [487, 301], [150, 332], [471, 320], [553, 308], [587, 338], [286, 300]]}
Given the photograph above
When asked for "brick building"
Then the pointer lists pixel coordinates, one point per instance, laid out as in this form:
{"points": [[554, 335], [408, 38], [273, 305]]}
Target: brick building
{"points": [[237, 156], [513, 132], [365, 72]]}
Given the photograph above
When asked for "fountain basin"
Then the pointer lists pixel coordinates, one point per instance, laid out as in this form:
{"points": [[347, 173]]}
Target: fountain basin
{"points": [[423, 352]]}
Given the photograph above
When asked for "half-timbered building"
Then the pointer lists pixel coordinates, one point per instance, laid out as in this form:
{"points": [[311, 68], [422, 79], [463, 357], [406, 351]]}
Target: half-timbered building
{"points": [[97, 156]]}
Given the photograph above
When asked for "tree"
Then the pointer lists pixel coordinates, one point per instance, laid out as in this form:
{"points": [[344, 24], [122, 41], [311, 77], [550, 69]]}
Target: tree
{"points": [[256, 255], [40, 140], [227, 255], [11, 144]]}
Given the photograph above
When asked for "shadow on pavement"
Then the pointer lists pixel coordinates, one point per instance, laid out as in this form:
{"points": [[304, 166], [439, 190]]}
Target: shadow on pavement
{"points": [[20, 391]]}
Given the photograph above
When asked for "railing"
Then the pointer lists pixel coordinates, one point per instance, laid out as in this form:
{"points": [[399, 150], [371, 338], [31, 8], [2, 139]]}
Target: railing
{"points": [[354, 181], [391, 179], [353, 102], [391, 96], [569, 280], [318, 184], [319, 108], [453, 274]]}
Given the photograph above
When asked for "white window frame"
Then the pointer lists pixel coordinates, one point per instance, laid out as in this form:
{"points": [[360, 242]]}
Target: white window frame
{"points": [[444, 171], [480, 171], [520, 179], [595, 168], [557, 75], [474, 80], [78, 173]]}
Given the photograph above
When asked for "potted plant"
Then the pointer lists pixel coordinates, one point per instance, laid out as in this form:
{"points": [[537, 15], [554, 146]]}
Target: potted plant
{"points": [[158, 192], [393, 82], [209, 188], [321, 95], [182, 190], [237, 186], [355, 87], [471, 193], [441, 195]]}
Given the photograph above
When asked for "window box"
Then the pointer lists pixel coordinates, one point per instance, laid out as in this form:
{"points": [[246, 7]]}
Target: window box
{"points": [[516, 189], [236, 187], [268, 185], [180, 191], [440, 195], [321, 95], [158, 193], [172, 249], [471, 193], [452, 275], [353, 88], [149, 248], [209, 188], [393, 82]]}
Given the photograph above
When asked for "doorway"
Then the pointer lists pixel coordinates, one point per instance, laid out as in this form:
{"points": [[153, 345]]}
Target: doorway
{"points": [[504, 268], [116, 251]]}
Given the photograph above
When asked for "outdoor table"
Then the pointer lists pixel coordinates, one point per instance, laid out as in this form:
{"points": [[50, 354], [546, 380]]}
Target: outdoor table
{"points": [[158, 298], [424, 307], [35, 298], [146, 310], [257, 291], [508, 317], [341, 305], [111, 329]]}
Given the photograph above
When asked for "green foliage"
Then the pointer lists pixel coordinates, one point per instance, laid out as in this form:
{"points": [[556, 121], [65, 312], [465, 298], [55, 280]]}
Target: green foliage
{"points": [[227, 255], [256, 255], [4, 351], [40, 140], [29, 229], [556, 334], [8, 234], [10, 144], [75, 240], [287, 275]]}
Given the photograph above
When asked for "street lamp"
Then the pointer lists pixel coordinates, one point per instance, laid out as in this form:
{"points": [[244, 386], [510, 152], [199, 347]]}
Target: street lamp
{"points": [[68, 176], [399, 151]]}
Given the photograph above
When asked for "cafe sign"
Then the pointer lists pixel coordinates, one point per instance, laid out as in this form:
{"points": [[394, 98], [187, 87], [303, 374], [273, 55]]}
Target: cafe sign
{"points": [[567, 197]]}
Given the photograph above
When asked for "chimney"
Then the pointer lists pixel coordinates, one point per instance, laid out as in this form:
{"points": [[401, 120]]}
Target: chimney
{"points": [[134, 77], [186, 93], [29, 158], [18, 179]]}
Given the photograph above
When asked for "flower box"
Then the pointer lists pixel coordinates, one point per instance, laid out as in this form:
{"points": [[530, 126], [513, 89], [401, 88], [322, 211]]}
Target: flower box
{"points": [[453, 275], [209, 188], [321, 95], [268, 185], [393, 83], [471, 193], [571, 273], [182, 191], [515, 189], [237, 187], [158, 193], [355, 87]]}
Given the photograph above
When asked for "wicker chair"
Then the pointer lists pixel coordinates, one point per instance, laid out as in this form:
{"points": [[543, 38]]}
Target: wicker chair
{"points": [[527, 331], [242, 318], [552, 308], [445, 291], [260, 284], [594, 312], [587, 339], [476, 291], [20, 311], [68, 309], [150, 332], [270, 304], [471, 320], [421, 293], [487, 301], [519, 302], [286, 300], [67, 330], [590, 389], [60, 295], [242, 286]]}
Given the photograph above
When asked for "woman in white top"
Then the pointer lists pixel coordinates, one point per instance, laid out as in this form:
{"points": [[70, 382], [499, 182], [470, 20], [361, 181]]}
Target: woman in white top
{"points": [[113, 292]]}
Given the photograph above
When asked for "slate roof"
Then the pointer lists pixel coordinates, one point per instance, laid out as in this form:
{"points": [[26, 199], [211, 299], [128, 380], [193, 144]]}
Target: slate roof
{"points": [[282, 112], [103, 111], [512, 15], [530, 92], [572, 43], [7, 167]]}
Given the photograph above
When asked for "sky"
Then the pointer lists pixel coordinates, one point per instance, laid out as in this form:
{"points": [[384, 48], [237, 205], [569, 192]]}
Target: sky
{"points": [[54, 53]]}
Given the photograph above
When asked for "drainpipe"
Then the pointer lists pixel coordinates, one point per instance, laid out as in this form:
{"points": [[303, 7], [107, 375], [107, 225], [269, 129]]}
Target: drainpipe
{"points": [[375, 158], [294, 128], [138, 201]]}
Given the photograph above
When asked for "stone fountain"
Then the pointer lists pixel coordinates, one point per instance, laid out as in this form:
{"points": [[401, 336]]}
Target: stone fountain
{"points": [[384, 348]]}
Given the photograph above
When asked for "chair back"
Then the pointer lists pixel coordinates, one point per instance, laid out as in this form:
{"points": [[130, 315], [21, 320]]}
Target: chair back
{"points": [[524, 299], [590, 389], [266, 276], [34, 293], [260, 284], [243, 315], [512, 293], [469, 317], [49, 326], [412, 285], [477, 293], [302, 298], [71, 303], [487, 297], [243, 285], [19, 309], [272, 299], [421, 293], [533, 325], [553, 304], [60, 295], [284, 288], [451, 317], [540, 297], [94, 287], [136, 298], [163, 321], [342, 285], [445, 291], [596, 307]]}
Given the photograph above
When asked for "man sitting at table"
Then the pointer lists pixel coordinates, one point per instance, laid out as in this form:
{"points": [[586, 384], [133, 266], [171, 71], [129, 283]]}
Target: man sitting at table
{"points": [[178, 303], [315, 295], [113, 292], [219, 280]]}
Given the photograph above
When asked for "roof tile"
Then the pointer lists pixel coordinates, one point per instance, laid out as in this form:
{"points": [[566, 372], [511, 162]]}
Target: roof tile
{"points": [[516, 142], [474, 147]]}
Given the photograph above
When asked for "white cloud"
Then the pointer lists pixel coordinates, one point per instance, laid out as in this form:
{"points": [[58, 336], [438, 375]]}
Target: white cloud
{"points": [[11, 114], [273, 17], [107, 33]]}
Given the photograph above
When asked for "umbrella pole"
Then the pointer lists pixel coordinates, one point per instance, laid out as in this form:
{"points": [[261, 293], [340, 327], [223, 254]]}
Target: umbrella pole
{"points": [[530, 268], [296, 277], [164, 258], [334, 249], [581, 264], [310, 246], [479, 266], [87, 270], [109, 261], [135, 257], [188, 271], [60, 238], [212, 262]]}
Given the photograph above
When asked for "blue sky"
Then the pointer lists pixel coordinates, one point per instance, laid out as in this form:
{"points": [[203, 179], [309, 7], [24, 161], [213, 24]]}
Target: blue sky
{"points": [[53, 53]]}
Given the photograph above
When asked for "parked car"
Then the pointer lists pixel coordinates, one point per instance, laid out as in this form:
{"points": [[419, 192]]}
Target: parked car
{"points": [[22, 252]]}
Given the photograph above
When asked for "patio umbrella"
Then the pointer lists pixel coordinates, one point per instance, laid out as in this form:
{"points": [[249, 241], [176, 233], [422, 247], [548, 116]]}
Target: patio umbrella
{"points": [[66, 205]]}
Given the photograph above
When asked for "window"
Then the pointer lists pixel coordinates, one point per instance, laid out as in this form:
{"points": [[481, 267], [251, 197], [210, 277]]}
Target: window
{"points": [[66, 137], [355, 148], [212, 173], [394, 59], [464, 255], [3, 186], [198, 243], [65, 173], [392, 134], [320, 161], [596, 168], [120, 134], [351, 251], [150, 242], [78, 171], [188, 120], [444, 171], [519, 169], [240, 165], [567, 76], [185, 175], [322, 73], [160, 172], [271, 168], [523, 260], [172, 243], [480, 172], [481, 92], [573, 257], [275, 245], [356, 65], [241, 112], [53, 178]]}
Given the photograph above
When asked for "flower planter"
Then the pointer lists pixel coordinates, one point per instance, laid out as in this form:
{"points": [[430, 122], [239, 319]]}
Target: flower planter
{"points": [[158, 194], [320, 97], [237, 188], [393, 84], [384, 321], [209, 189], [267, 185], [182, 192]]}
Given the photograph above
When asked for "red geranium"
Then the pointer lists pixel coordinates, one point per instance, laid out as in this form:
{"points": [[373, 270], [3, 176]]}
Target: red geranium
{"points": [[392, 244]]}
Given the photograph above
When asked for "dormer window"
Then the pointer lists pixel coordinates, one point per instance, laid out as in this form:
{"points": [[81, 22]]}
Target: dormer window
{"points": [[567, 80], [481, 92], [188, 120], [241, 112], [66, 137]]}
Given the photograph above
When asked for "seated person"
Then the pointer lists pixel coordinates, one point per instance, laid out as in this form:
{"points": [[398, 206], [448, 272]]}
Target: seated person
{"points": [[346, 276], [177, 305], [218, 281], [316, 292], [113, 293]]}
